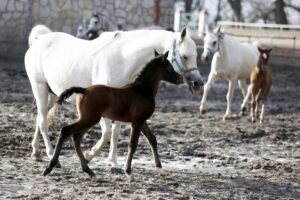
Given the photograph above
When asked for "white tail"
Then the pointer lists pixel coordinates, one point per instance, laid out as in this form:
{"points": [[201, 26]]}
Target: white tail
{"points": [[36, 32]]}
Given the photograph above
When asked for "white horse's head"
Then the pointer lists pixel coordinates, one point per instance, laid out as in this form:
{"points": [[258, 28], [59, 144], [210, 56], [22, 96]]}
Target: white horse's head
{"points": [[183, 57], [211, 43]]}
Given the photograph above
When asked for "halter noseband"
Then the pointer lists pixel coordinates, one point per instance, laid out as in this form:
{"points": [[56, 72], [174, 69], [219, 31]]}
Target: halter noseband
{"points": [[178, 63]]}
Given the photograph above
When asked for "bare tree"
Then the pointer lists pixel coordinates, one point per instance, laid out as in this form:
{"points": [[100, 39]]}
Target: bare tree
{"points": [[237, 9], [280, 15]]}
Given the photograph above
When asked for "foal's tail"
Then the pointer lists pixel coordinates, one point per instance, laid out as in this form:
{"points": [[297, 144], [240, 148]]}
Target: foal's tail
{"points": [[37, 31], [67, 93]]}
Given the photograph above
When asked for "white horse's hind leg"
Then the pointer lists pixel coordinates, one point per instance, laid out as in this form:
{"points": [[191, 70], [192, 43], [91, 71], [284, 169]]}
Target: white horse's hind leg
{"points": [[40, 92], [245, 100], [116, 128], [207, 86], [106, 135], [229, 96]]}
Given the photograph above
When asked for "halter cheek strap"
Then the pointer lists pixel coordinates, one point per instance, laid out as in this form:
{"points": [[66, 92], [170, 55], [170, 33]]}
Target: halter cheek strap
{"points": [[178, 63]]}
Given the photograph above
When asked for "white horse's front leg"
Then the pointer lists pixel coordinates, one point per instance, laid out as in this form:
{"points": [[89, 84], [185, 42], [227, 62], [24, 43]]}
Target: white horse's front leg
{"points": [[229, 96], [36, 154], [106, 135], [116, 128], [40, 92], [245, 100], [207, 86]]}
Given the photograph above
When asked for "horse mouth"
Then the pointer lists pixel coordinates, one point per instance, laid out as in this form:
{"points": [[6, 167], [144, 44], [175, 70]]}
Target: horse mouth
{"points": [[195, 89]]}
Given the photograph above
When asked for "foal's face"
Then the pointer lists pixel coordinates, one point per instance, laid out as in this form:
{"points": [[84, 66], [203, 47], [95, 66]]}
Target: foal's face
{"points": [[264, 55], [167, 71], [211, 43]]}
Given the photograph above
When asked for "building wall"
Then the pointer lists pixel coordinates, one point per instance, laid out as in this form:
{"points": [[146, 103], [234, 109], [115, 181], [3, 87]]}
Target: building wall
{"points": [[18, 16]]}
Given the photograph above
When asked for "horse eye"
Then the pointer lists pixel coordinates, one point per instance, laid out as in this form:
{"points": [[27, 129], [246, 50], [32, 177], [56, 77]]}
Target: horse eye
{"points": [[185, 57], [214, 43]]}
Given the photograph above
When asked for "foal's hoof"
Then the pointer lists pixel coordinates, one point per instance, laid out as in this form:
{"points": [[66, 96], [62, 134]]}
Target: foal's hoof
{"points": [[93, 178], [130, 178], [161, 172], [47, 171], [36, 157]]}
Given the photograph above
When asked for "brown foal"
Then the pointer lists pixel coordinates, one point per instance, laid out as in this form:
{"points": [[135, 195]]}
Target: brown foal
{"points": [[261, 80], [134, 103]]}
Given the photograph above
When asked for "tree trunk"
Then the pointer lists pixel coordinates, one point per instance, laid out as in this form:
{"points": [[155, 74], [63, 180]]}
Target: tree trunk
{"points": [[157, 12], [237, 9], [188, 5], [279, 12]]}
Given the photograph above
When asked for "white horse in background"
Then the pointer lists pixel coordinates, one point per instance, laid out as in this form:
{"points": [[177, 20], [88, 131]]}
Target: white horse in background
{"points": [[57, 61], [232, 61]]}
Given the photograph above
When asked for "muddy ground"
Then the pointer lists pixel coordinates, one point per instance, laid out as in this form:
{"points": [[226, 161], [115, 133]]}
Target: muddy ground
{"points": [[204, 157]]}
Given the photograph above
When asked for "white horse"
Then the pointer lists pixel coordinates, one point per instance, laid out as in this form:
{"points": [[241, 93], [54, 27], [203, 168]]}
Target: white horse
{"points": [[232, 61], [57, 61]]}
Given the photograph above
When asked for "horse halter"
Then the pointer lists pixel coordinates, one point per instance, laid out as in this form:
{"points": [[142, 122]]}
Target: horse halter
{"points": [[178, 63]]}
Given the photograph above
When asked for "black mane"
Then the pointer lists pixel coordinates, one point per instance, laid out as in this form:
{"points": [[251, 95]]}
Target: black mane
{"points": [[147, 73]]}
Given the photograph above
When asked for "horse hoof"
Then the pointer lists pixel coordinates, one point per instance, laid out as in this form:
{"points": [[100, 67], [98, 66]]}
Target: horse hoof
{"points": [[130, 178], [93, 178], [202, 110], [36, 157], [47, 171], [225, 118]]}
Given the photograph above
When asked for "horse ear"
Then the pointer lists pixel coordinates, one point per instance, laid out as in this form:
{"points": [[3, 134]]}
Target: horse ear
{"points": [[259, 49], [183, 33], [219, 32], [269, 50], [166, 55], [156, 53]]}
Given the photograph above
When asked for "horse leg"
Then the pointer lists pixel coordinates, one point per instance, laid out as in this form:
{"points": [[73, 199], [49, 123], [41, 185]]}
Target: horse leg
{"points": [[229, 96], [77, 138], [245, 100], [64, 134], [207, 86], [133, 142], [51, 109], [264, 100], [106, 135], [116, 128], [153, 142], [257, 103], [36, 154], [40, 92]]}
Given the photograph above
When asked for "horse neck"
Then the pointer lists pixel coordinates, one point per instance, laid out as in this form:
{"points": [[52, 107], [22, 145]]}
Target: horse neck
{"points": [[260, 64], [143, 51], [147, 82]]}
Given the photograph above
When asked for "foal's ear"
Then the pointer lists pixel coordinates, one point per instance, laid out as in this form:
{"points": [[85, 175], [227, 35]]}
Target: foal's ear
{"points": [[166, 55], [259, 49], [156, 53], [269, 50]]}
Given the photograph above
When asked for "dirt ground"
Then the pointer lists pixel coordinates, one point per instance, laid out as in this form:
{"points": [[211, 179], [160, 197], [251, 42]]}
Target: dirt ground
{"points": [[204, 157]]}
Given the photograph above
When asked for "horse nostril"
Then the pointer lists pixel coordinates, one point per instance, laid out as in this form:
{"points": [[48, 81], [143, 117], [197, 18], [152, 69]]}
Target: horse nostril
{"points": [[195, 84]]}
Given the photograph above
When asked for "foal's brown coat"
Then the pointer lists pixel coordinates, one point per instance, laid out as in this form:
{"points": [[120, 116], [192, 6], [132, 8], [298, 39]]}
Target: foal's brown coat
{"points": [[134, 103], [261, 80]]}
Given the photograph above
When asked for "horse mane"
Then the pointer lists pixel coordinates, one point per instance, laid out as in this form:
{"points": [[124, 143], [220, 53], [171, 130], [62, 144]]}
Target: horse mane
{"points": [[146, 72]]}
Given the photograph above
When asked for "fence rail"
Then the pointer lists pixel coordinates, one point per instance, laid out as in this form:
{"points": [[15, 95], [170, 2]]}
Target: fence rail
{"points": [[285, 39]]}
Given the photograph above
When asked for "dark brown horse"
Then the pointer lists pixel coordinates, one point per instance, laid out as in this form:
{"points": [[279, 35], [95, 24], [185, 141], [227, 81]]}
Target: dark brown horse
{"points": [[134, 103]]}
